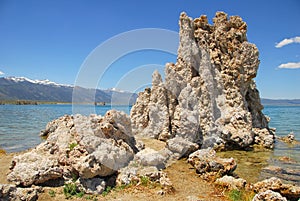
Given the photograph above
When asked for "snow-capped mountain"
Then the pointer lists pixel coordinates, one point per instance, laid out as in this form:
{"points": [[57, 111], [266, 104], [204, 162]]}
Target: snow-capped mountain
{"points": [[22, 88], [44, 82]]}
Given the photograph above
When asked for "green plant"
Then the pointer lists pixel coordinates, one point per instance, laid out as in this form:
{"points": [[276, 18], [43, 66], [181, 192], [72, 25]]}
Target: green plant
{"points": [[52, 193], [121, 187], [91, 197], [145, 180], [72, 145], [107, 190], [70, 190], [237, 195]]}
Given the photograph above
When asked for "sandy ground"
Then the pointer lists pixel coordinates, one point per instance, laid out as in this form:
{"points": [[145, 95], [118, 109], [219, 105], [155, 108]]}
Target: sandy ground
{"points": [[184, 178]]}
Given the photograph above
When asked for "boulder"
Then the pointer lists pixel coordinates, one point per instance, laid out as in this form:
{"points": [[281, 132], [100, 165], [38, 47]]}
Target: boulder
{"points": [[210, 166], [78, 145], [9, 192], [231, 182], [150, 157], [94, 185], [181, 147], [269, 195], [209, 96], [291, 192]]}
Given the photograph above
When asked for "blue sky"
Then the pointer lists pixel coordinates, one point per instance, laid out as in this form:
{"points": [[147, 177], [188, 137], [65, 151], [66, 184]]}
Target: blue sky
{"points": [[52, 39]]}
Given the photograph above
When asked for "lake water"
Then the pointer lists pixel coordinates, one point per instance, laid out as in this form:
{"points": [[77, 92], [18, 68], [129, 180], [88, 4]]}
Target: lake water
{"points": [[20, 126]]}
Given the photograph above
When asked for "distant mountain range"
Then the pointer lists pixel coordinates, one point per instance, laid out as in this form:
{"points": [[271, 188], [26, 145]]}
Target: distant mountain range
{"points": [[21, 88], [280, 102]]}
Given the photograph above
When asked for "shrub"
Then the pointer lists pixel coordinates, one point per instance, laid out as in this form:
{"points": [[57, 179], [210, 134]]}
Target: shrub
{"points": [[70, 190]]}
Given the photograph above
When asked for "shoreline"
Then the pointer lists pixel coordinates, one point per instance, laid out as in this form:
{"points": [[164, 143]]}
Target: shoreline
{"points": [[183, 183]]}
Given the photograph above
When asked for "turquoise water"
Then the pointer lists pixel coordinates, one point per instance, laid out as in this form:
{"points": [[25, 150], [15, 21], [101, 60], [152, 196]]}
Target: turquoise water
{"points": [[20, 125]]}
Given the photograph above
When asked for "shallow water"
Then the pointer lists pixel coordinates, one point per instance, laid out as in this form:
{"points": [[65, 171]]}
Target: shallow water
{"points": [[20, 126], [285, 119]]}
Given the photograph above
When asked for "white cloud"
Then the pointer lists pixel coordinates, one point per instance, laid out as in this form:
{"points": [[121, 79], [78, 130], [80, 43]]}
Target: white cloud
{"points": [[288, 41], [290, 65], [1, 73]]}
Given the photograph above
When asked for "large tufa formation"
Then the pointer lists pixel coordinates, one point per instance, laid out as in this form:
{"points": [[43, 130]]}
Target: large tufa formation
{"points": [[87, 148], [209, 96]]}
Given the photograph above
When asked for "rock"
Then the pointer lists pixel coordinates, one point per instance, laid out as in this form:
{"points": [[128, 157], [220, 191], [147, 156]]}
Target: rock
{"points": [[84, 146], [150, 157], [210, 166], [289, 191], [94, 185], [181, 147], [135, 171], [34, 168], [269, 195], [290, 138], [209, 96], [10, 192], [264, 137], [285, 174], [231, 182]]}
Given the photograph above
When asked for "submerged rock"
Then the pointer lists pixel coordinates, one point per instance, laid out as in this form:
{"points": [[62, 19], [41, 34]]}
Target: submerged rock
{"points": [[79, 145], [209, 96], [290, 138]]}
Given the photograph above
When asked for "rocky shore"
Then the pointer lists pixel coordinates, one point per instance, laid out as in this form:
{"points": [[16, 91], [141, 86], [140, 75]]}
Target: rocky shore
{"points": [[207, 103]]}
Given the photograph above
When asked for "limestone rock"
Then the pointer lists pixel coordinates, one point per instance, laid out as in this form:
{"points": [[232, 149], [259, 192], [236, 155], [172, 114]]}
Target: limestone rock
{"points": [[135, 171], [290, 138], [10, 192], [79, 145], [231, 182], [210, 166], [209, 96], [289, 191], [34, 168], [150, 157], [181, 147], [94, 185], [269, 195]]}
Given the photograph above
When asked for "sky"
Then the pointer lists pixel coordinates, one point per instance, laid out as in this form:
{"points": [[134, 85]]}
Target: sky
{"points": [[57, 39]]}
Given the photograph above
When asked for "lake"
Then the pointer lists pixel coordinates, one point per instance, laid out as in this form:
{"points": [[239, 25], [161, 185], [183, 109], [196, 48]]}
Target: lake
{"points": [[20, 126]]}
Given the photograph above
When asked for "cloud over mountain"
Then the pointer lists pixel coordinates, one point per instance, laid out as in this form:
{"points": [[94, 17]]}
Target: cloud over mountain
{"points": [[1, 73]]}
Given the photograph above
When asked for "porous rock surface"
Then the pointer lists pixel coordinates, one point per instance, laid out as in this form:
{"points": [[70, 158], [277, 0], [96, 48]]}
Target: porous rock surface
{"points": [[77, 145], [209, 166], [269, 195], [209, 96], [290, 192], [9, 192]]}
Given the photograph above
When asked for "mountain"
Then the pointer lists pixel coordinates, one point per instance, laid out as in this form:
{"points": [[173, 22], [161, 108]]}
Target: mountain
{"points": [[21, 88], [280, 102]]}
